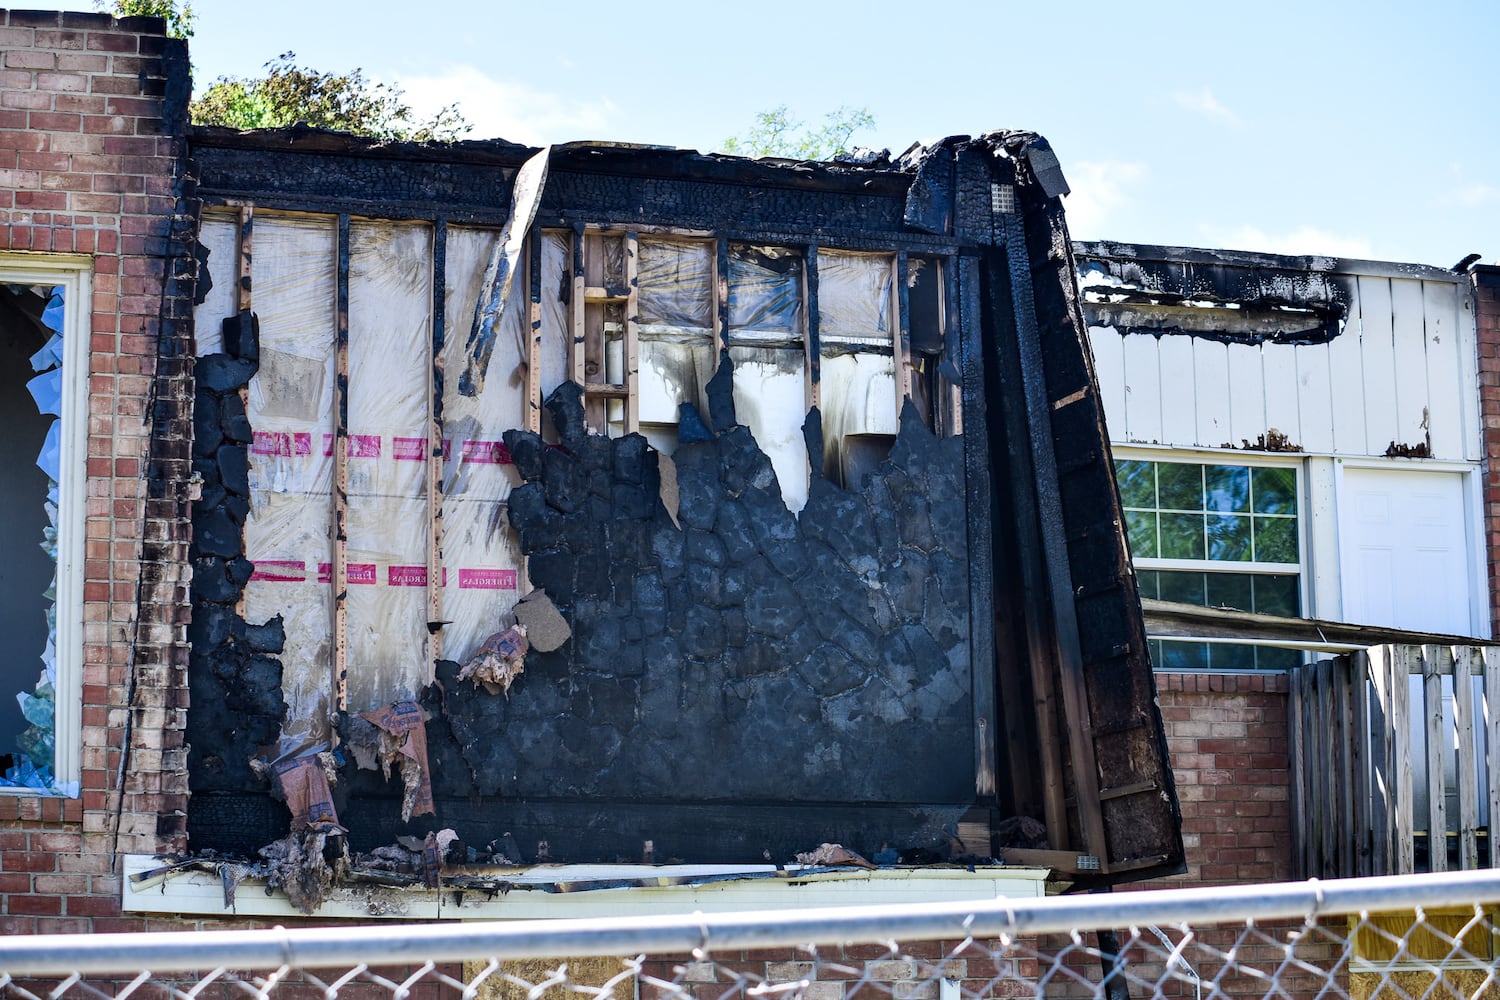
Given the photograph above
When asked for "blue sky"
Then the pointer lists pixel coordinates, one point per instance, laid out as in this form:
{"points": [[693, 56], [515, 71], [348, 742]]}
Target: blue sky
{"points": [[1351, 128]]}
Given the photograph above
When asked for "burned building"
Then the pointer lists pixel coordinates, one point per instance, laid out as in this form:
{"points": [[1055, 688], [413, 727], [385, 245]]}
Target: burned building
{"points": [[808, 456], [795, 474]]}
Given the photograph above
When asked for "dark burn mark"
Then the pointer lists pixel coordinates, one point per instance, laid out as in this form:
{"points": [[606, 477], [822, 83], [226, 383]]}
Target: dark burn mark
{"points": [[750, 656], [1231, 298], [1272, 440]]}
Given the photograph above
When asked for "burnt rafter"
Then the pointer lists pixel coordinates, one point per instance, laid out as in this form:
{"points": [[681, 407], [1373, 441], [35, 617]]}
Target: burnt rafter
{"points": [[948, 642]]}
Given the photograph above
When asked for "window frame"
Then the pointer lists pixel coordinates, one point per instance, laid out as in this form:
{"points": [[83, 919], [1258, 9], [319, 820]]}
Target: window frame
{"points": [[1302, 569], [75, 274]]}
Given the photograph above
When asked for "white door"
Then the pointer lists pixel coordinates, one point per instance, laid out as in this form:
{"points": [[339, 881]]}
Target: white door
{"points": [[1406, 560], [1407, 564]]}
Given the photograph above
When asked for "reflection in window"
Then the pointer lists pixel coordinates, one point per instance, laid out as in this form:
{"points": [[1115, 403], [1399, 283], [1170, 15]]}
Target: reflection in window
{"points": [[31, 359], [1180, 513]]}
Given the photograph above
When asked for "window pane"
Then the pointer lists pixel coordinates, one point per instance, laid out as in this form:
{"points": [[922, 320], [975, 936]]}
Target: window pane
{"points": [[1276, 539], [1276, 595], [1181, 486], [1226, 488], [1270, 658], [1137, 483], [1184, 588], [1146, 580], [1229, 657], [1182, 536], [1275, 491], [1183, 655], [1140, 528], [1228, 537], [1230, 590]]}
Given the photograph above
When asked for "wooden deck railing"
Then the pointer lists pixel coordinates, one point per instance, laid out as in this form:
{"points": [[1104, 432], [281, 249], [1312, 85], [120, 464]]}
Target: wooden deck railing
{"points": [[1356, 758]]}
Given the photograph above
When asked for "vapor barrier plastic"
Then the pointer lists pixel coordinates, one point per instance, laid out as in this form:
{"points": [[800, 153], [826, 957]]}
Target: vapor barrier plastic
{"points": [[390, 351], [770, 390], [556, 286], [854, 298], [858, 397], [765, 294], [481, 563], [219, 234], [674, 280], [290, 405]]}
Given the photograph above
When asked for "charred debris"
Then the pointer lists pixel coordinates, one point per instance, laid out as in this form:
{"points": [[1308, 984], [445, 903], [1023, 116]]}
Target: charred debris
{"points": [[920, 645]]}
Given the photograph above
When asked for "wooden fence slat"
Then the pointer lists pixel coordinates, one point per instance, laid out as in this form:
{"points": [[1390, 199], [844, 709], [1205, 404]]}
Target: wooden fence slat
{"points": [[1313, 801], [1379, 664], [1468, 777], [1403, 660], [1366, 828], [1296, 768], [1327, 778], [1434, 666], [1344, 826]]}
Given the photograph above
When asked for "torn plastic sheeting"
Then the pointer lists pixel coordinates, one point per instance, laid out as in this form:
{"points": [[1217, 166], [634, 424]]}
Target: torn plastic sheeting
{"points": [[218, 233], [765, 293], [858, 397], [674, 281], [46, 391], [405, 724], [500, 272], [482, 572], [671, 374], [49, 355], [556, 289], [770, 398], [854, 297], [471, 421], [49, 459]]}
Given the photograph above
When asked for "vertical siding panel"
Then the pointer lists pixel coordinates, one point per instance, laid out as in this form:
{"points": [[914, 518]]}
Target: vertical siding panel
{"points": [[1247, 394], [1445, 389], [1408, 342], [1279, 374], [1144, 407], [1211, 373], [1178, 390], [1322, 422], [1468, 373], [1109, 369], [1378, 353]]}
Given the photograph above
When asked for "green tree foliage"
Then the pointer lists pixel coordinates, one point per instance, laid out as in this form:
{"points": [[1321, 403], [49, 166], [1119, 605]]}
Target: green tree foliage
{"points": [[289, 94], [777, 133], [179, 19]]}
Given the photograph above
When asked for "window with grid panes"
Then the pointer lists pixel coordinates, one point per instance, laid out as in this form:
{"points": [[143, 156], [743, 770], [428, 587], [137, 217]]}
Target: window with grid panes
{"points": [[1215, 535]]}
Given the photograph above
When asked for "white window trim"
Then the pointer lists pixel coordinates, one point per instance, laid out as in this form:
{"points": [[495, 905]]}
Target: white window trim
{"points": [[75, 274]]}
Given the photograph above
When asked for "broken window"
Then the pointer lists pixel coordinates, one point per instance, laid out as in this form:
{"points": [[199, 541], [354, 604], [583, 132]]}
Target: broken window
{"points": [[677, 348], [768, 346], [1215, 535], [41, 340], [859, 391]]}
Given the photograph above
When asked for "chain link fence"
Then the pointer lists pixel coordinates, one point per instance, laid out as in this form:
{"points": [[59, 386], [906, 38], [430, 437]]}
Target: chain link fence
{"points": [[1393, 938]]}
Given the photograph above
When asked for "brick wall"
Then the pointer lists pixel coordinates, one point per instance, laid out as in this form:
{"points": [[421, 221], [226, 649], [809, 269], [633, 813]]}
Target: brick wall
{"points": [[1227, 734], [1487, 318], [87, 168]]}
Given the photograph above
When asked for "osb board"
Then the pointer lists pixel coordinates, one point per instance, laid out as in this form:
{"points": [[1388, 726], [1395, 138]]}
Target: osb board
{"points": [[580, 972], [1467, 983]]}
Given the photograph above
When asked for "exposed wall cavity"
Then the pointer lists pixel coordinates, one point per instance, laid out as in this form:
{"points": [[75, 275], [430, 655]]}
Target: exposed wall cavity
{"points": [[1231, 298]]}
